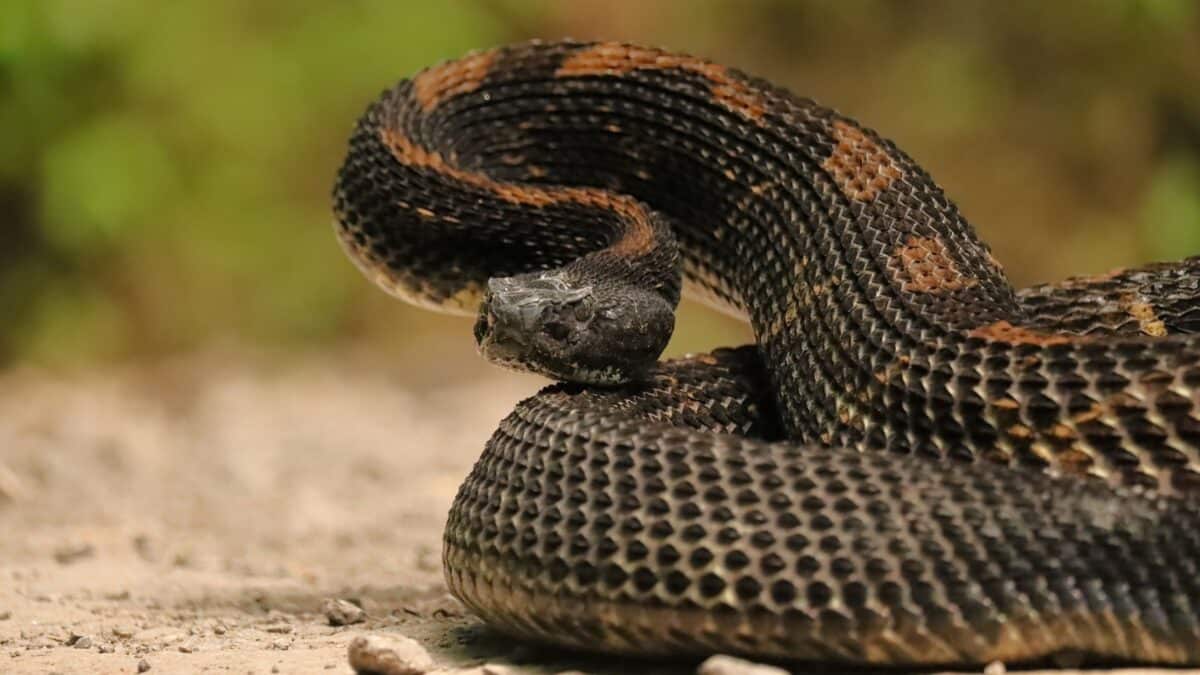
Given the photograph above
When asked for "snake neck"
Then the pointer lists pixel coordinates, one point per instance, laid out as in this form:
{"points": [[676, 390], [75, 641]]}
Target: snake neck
{"points": [[837, 246], [842, 252]]}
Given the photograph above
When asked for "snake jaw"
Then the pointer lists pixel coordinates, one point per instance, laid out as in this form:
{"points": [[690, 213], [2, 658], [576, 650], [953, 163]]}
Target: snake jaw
{"points": [[551, 324]]}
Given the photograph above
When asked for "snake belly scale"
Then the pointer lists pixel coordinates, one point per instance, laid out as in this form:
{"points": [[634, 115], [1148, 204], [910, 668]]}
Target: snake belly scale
{"points": [[914, 464]]}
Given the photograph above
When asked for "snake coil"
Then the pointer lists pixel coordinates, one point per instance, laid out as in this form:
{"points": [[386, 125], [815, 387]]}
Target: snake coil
{"points": [[915, 464]]}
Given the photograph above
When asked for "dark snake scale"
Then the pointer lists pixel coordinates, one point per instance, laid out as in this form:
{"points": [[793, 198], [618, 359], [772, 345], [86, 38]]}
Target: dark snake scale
{"points": [[915, 464]]}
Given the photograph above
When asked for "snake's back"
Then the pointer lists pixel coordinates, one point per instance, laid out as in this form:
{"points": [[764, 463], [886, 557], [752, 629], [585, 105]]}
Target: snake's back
{"points": [[915, 464]]}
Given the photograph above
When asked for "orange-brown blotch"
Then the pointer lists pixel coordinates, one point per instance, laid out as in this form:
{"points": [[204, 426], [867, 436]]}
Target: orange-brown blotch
{"points": [[612, 58], [859, 166]]}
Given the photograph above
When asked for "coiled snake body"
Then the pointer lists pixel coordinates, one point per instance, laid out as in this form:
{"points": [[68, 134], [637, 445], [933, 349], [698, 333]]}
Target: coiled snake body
{"points": [[914, 465]]}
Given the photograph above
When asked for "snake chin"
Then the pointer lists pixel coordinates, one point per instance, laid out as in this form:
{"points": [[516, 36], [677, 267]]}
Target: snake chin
{"points": [[565, 328]]}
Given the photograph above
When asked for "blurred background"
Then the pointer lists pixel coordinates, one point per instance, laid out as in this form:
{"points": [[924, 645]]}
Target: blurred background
{"points": [[165, 168]]}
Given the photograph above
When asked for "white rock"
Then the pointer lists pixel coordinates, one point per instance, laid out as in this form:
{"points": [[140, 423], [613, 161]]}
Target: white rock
{"points": [[728, 665], [391, 655], [340, 612]]}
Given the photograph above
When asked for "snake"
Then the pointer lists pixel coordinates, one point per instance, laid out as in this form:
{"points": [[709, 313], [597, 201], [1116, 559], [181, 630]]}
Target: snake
{"points": [[914, 464]]}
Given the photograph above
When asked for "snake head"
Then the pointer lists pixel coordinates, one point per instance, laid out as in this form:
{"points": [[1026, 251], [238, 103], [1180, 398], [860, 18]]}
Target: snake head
{"points": [[567, 329]]}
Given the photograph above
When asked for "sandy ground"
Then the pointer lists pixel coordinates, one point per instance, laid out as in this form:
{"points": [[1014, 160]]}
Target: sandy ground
{"points": [[196, 515]]}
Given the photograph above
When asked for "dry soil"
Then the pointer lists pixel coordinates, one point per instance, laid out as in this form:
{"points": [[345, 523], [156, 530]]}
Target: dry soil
{"points": [[195, 515]]}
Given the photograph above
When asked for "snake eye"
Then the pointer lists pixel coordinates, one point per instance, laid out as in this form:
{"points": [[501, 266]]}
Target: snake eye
{"points": [[557, 331]]}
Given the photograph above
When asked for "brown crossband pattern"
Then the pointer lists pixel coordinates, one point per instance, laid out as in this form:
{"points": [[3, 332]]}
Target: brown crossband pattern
{"points": [[859, 167], [923, 265], [615, 59], [638, 235], [450, 79]]}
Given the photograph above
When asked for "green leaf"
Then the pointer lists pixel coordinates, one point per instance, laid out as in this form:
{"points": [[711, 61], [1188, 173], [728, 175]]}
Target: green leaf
{"points": [[1171, 212], [102, 182]]}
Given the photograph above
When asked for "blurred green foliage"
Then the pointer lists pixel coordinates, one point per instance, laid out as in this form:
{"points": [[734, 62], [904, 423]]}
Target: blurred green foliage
{"points": [[165, 167]]}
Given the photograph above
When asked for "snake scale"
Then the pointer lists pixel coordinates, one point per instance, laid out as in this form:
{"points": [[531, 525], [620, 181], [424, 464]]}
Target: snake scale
{"points": [[914, 464]]}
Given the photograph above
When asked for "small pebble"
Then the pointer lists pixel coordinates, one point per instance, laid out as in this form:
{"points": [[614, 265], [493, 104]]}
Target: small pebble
{"points": [[123, 632], [728, 665], [995, 668], [278, 628], [144, 549], [106, 648], [80, 642], [143, 665], [340, 612], [391, 655], [5, 615], [65, 555]]}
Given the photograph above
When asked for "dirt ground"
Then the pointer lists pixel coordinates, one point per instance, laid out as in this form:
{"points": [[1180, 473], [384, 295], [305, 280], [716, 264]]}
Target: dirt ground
{"points": [[195, 516]]}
